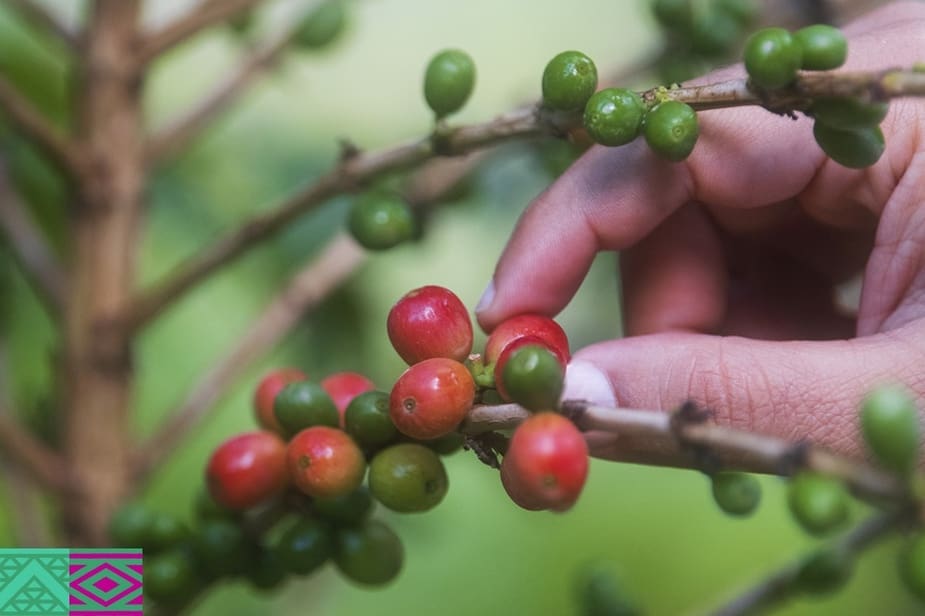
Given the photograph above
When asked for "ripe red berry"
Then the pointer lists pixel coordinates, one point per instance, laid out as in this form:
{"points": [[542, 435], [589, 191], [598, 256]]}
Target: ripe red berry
{"points": [[522, 325], [430, 322], [247, 469], [431, 398], [546, 463], [537, 380], [324, 462], [343, 387], [269, 387]]}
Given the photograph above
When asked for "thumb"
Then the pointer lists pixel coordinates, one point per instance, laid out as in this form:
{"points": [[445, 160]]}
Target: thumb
{"points": [[793, 390]]}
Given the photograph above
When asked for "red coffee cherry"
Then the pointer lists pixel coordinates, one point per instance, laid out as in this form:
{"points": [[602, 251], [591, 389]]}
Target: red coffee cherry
{"points": [[247, 469], [431, 398], [430, 322], [343, 387], [522, 325], [324, 462], [509, 351], [546, 463], [269, 386]]}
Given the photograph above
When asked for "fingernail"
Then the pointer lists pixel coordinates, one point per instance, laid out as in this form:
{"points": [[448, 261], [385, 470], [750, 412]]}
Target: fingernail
{"points": [[488, 296], [584, 381]]}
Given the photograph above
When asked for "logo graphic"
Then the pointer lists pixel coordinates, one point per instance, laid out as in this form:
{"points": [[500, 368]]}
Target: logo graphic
{"points": [[57, 582]]}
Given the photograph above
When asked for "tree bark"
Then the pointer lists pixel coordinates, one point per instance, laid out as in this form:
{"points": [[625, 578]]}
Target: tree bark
{"points": [[97, 379]]}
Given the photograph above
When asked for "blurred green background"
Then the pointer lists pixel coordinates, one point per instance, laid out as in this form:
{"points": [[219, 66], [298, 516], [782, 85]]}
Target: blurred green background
{"points": [[476, 553]]}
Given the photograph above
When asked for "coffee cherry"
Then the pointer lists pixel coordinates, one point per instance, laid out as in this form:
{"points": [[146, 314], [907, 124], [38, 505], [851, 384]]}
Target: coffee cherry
{"points": [[247, 470], [912, 566], [547, 459], [854, 149], [674, 14], [848, 113], [166, 531], [171, 578], [744, 11], [715, 33], [517, 488], [599, 594], [269, 387], [448, 81], [130, 526], [891, 427], [822, 47], [772, 57], [265, 570], [408, 478], [349, 509], [344, 387], [569, 80], [431, 398], [736, 493], [614, 116], [221, 548], [205, 508], [371, 554], [322, 26], [531, 375], [367, 419], [303, 405], [324, 462], [522, 325], [819, 503], [305, 546], [380, 222], [671, 130], [824, 571], [447, 444], [430, 322]]}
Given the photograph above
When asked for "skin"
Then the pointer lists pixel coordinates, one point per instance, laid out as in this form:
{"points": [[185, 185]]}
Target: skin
{"points": [[729, 261]]}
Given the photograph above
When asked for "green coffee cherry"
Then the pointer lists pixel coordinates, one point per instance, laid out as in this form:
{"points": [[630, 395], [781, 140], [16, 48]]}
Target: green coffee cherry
{"points": [[569, 80], [323, 25], [848, 113], [449, 81], [221, 548], [302, 405], [265, 571], [371, 554], [912, 566], [533, 378], [350, 509], [598, 593], [556, 155], [772, 57], [408, 478], [743, 11], [854, 149], [447, 444], [614, 116], [674, 14], [171, 577], [380, 222], [130, 526], [822, 47], [671, 130], [367, 419], [736, 493], [205, 507], [824, 571], [818, 503], [166, 530], [305, 546], [715, 33], [891, 427]]}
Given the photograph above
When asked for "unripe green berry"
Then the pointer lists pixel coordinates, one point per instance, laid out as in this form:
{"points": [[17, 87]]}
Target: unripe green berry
{"points": [[265, 571], [744, 11], [349, 509], [674, 14], [371, 554], [715, 33], [534, 378], [671, 130], [855, 149], [130, 526], [599, 594], [305, 546], [912, 566], [891, 427], [171, 577], [824, 571], [447, 444], [848, 113], [205, 507], [408, 478], [380, 222], [323, 25], [367, 419], [166, 531], [819, 503], [736, 493], [822, 47], [221, 547], [449, 81], [302, 405], [569, 80], [614, 116], [772, 57]]}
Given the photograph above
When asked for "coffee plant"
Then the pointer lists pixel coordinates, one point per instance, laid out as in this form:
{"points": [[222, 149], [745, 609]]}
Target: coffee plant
{"points": [[332, 459]]}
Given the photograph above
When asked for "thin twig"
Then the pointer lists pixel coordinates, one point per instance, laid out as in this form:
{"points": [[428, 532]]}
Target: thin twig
{"points": [[524, 122], [30, 247], [37, 128], [308, 287], [778, 586], [176, 136], [661, 439], [208, 13], [41, 17]]}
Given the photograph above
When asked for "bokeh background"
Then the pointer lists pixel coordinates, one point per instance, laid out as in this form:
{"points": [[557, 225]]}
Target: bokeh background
{"points": [[657, 530]]}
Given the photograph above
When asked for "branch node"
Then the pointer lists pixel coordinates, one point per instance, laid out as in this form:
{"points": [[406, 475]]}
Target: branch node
{"points": [[487, 447], [573, 410], [795, 459]]}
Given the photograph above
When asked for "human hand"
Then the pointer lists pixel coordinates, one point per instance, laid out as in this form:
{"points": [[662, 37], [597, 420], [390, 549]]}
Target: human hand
{"points": [[730, 260]]}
